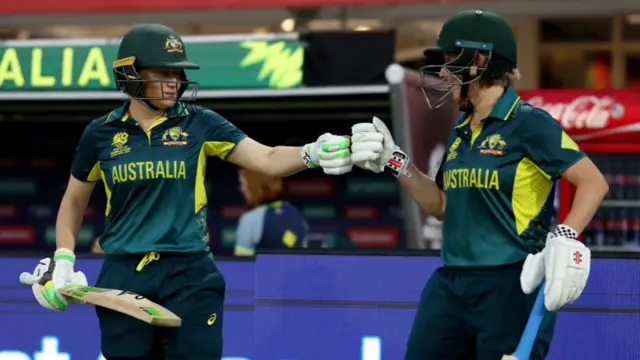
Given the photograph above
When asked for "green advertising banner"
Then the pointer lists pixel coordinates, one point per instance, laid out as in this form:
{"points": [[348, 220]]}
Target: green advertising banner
{"points": [[56, 66]]}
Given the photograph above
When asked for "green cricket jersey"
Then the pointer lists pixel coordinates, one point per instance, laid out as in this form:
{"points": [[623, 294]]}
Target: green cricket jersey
{"points": [[499, 181], [154, 180]]}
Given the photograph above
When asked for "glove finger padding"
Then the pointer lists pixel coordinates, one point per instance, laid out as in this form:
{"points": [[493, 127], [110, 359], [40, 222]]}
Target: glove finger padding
{"points": [[335, 162], [366, 146], [532, 273], [47, 296], [363, 128], [334, 155], [367, 137], [364, 156], [370, 146], [38, 293]]}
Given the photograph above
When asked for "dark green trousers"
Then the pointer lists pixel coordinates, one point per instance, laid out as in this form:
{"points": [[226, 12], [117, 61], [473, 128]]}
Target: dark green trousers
{"points": [[187, 284], [469, 314]]}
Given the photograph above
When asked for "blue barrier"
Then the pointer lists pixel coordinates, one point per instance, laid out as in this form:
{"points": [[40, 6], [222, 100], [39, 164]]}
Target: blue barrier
{"points": [[304, 307]]}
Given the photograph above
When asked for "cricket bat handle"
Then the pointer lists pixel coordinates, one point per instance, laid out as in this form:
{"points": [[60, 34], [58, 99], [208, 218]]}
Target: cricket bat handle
{"points": [[531, 329]]}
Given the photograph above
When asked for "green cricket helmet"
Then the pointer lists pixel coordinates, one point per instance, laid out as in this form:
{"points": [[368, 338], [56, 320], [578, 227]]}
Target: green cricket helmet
{"points": [[151, 46], [464, 36]]}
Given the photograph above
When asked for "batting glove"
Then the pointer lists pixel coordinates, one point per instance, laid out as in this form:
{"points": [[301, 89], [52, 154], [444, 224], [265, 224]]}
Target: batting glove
{"points": [[373, 148], [50, 276], [565, 262], [330, 152]]}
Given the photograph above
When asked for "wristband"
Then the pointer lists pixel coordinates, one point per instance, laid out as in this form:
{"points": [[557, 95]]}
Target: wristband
{"points": [[566, 231], [64, 254], [398, 162]]}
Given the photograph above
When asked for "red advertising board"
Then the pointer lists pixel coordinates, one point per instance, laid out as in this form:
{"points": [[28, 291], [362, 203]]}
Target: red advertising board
{"points": [[590, 116], [106, 6]]}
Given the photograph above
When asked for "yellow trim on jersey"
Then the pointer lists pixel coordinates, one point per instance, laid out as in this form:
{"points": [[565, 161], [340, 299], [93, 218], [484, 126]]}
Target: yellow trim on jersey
{"points": [[465, 122], [159, 121], [107, 193], [567, 143], [210, 148], [95, 173], [506, 117], [531, 188], [475, 133]]}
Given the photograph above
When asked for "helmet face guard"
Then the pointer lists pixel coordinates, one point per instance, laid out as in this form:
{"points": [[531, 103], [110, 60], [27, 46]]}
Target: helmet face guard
{"points": [[438, 88], [130, 81]]}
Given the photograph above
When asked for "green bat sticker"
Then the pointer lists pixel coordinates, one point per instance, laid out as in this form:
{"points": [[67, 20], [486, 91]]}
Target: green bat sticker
{"points": [[152, 311]]}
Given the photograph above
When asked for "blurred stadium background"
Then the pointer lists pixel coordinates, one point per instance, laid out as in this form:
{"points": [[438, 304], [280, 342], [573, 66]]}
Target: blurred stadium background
{"points": [[285, 71]]}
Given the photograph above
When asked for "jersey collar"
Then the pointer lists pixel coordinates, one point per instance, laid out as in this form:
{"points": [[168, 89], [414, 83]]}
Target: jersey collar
{"points": [[505, 105], [121, 113]]}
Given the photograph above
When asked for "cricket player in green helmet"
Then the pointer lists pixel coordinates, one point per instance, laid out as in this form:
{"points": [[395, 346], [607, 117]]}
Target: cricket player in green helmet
{"points": [[150, 153], [494, 193]]}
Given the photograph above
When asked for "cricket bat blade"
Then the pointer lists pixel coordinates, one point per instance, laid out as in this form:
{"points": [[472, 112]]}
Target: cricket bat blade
{"points": [[125, 302]]}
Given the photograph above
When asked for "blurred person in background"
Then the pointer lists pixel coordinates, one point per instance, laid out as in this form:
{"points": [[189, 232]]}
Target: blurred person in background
{"points": [[271, 222], [494, 194], [151, 155]]}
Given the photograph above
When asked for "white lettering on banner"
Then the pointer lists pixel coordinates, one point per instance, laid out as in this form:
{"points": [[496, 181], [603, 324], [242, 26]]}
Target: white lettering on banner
{"points": [[370, 349], [14, 355], [588, 111], [49, 351]]}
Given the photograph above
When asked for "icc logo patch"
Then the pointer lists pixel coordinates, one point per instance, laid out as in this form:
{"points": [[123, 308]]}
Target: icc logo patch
{"points": [[119, 144]]}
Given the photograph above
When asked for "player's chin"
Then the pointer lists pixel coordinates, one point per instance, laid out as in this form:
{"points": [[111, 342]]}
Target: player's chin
{"points": [[164, 103]]}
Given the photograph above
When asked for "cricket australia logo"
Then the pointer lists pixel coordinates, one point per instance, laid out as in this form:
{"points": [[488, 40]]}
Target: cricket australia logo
{"points": [[493, 145], [119, 144], [174, 136], [452, 154], [173, 45]]}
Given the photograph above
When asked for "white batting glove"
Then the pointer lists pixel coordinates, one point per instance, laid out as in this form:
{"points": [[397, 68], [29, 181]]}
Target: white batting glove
{"points": [[373, 148], [50, 276], [330, 152], [567, 264]]}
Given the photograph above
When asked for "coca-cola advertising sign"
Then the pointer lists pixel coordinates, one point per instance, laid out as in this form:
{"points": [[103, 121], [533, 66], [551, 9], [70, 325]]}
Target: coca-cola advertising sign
{"points": [[592, 115]]}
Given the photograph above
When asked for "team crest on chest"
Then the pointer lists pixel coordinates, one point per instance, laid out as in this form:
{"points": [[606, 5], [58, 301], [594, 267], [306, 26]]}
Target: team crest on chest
{"points": [[493, 145], [174, 136], [119, 144]]}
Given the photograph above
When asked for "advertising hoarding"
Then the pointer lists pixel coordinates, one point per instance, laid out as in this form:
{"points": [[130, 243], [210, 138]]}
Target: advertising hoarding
{"points": [[304, 307]]}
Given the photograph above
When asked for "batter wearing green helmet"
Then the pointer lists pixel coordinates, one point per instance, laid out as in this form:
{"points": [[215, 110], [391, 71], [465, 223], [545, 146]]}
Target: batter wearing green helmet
{"points": [[494, 193], [150, 153]]}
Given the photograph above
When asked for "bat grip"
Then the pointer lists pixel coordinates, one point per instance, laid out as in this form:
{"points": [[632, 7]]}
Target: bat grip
{"points": [[523, 352]]}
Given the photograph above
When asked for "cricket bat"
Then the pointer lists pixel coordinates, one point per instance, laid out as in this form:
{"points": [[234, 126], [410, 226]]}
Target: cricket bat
{"points": [[125, 302], [523, 351]]}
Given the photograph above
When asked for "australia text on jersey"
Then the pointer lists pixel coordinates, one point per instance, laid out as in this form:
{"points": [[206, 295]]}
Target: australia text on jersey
{"points": [[148, 170], [471, 178]]}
